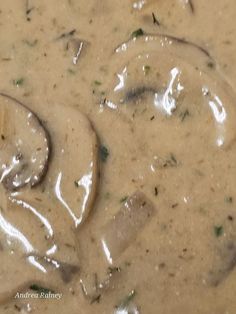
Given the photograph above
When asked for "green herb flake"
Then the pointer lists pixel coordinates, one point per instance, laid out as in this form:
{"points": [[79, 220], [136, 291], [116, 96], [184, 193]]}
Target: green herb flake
{"points": [[98, 83], [123, 199], [229, 199], [218, 230], [107, 195], [139, 32], [146, 69], [30, 43], [71, 71], [211, 64], [104, 153], [126, 301], [40, 289], [18, 82]]}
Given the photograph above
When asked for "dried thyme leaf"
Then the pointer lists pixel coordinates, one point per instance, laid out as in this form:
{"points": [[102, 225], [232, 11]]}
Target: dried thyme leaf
{"points": [[183, 115], [155, 20]]}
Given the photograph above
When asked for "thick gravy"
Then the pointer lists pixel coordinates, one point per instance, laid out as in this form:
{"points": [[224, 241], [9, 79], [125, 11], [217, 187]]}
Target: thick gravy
{"points": [[117, 156]]}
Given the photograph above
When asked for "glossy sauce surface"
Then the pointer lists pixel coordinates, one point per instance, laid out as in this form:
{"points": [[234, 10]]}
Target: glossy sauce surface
{"points": [[117, 152]]}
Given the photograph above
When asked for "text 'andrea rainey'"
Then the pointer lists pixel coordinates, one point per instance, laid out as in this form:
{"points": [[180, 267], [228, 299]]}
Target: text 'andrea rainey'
{"points": [[39, 295]]}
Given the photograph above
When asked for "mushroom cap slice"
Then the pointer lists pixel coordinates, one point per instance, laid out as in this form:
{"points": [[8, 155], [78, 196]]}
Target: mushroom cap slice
{"points": [[73, 173], [163, 76], [24, 145], [123, 228], [110, 242]]}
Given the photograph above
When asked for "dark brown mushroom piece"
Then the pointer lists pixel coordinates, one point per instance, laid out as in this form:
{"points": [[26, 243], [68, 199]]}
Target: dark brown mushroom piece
{"points": [[24, 145]]}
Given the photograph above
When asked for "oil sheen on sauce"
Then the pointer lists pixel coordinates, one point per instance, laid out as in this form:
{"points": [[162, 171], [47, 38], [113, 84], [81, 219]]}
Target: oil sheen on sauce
{"points": [[117, 157]]}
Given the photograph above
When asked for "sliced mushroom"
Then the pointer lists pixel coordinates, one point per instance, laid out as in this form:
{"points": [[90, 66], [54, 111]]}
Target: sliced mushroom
{"points": [[124, 227], [73, 174], [156, 74], [24, 243], [24, 145], [224, 263], [110, 242], [68, 192], [160, 42], [15, 233]]}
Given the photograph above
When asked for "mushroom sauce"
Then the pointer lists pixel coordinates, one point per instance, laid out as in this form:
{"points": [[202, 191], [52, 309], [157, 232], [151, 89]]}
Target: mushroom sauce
{"points": [[118, 148]]}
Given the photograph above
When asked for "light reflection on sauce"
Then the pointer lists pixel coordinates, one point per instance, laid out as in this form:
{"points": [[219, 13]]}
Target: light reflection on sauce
{"points": [[151, 125], [86, 184], [122, 77], [165, 87], [13, 233], [219, 113], [52, 250], [132, 310], [139, 4], [33, 261], [106, 251], [166, 102], [63, 201], [34, 210]]}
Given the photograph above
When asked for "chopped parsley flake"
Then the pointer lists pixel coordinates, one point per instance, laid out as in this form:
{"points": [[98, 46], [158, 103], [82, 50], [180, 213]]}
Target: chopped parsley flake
{"points": [[40, 289], [71, 71], [218, 230], [104, 153], [228, 199], [18, 82], [139, 32], [98, 83], [211, 64]]}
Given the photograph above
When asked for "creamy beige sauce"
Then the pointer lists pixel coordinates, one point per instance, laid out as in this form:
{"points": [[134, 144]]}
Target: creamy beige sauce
{"points": [[117, 156]]}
